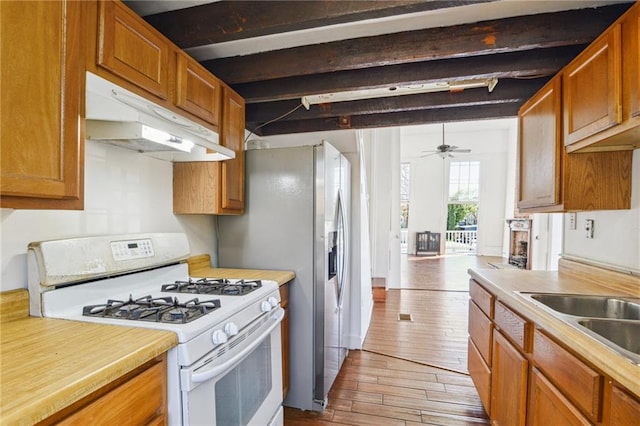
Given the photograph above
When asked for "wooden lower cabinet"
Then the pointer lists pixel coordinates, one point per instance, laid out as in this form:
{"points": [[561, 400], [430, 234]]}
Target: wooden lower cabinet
{"points": [[480, 374], [284, 302], [509, 372], [530, 378], [547, 405], [620, 407], [138, 398]]}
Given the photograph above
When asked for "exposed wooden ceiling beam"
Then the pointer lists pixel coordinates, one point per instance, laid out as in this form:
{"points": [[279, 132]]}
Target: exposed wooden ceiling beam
{"points": [[224, 21], [392, 119], [506, 35], [507, 91], [543, 62]]}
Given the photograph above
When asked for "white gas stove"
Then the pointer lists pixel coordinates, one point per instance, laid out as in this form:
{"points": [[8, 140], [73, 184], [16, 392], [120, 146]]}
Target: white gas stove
{"points": [[225, 328]]}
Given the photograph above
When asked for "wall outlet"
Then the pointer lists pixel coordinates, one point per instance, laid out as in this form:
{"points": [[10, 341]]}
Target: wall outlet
{"points": [[572, 221], [588, 226]]}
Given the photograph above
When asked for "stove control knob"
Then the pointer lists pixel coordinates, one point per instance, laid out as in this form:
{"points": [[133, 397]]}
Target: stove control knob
{"points": [[265, 306], [219, 337], [231, 329], [273, 301]]}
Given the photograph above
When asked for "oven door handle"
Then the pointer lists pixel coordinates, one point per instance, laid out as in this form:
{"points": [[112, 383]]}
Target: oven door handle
{"points": [[221, 368]]}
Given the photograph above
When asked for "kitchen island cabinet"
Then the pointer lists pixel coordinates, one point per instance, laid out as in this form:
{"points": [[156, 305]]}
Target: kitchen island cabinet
{"points": [[42, 80], [61, 371], [560, 370]]}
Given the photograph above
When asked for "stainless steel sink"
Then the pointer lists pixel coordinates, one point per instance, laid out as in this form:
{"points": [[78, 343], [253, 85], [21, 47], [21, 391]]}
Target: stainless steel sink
{"points": [[611, 320], [625, 334], [591, 306]]}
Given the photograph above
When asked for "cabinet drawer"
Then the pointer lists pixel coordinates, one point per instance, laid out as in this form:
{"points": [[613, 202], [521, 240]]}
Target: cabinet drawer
{"points": [[141, 400], [480, 374], [578, 382], [480, 331], [513, 326], [482, 297]]}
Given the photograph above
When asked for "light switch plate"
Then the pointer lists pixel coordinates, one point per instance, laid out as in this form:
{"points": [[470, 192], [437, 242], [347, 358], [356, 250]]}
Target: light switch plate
{"points": [[572, 221], [588, 226]]}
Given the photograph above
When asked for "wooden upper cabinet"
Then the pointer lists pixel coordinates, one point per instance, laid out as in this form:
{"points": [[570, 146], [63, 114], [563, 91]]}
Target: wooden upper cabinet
{"points": [[601, 90], [132, 50], [42, 82], [550, 179], [592, 88], [197, 90], [215, 187], [232, 137], [631, 60], [540, 150]]}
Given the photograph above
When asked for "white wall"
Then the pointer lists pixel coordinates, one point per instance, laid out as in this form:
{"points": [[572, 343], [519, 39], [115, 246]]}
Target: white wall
{"points": [[125, 192], [492, 143], [616, 239], [385, 204]]}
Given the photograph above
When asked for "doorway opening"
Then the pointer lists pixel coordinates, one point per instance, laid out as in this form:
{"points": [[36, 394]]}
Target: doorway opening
{"points": [[405, 177], [462, 209]]}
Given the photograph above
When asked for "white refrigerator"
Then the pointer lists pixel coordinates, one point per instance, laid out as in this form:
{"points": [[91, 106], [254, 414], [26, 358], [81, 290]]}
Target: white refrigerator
{"points": [[297, 217]]}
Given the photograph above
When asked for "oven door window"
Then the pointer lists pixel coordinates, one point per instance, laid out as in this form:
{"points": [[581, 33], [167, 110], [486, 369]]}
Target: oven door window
{"points": [[240, 393]]}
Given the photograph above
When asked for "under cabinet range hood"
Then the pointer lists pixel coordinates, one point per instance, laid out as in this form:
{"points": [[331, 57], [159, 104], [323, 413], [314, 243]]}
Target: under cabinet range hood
{"points": [[119, 117]]}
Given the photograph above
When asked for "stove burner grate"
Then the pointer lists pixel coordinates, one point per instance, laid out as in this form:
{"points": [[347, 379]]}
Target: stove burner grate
{"points": [[159, 309], [221, 286]]}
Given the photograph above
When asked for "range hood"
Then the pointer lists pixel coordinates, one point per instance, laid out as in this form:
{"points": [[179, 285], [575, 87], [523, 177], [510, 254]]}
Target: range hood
{"points": [[119, 117]]}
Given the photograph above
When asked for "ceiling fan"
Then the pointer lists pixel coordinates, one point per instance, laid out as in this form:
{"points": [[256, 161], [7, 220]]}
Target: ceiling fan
{"points": [[444, 150]]}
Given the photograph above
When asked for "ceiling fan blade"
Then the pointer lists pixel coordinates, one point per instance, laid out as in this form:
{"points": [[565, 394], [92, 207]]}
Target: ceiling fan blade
{"points": [[460, 150]]}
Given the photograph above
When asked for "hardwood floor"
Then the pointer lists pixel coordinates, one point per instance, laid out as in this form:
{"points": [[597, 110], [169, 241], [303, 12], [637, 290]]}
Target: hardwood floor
{"points": [[414, 371]]}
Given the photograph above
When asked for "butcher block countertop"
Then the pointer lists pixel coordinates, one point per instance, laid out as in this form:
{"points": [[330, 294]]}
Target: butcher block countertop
{"points": [[200, 266], [48, 364], [572, 278]]}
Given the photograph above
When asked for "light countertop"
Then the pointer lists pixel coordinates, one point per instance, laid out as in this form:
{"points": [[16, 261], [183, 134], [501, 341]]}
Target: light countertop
{"points": [[48, 364], [200, 266]]}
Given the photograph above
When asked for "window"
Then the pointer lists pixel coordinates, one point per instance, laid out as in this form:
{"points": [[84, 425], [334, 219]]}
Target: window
{"points": [[405, 175], [464, 181]]}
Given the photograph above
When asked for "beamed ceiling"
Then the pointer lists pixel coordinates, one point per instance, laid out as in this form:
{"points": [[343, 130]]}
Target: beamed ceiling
{"points": [[275, 52]]}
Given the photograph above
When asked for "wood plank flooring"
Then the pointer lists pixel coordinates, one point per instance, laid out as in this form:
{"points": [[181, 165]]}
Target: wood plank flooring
{"points": [[410, 372]]}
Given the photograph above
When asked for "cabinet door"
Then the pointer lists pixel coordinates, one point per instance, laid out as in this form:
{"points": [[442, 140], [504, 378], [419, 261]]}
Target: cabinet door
{"points": [[623, 409], [132, 50], [232, 136], [540, 150], [42, 82], [631, 60], [197, 90], [548, 406], [592, 88], [508, 384]]}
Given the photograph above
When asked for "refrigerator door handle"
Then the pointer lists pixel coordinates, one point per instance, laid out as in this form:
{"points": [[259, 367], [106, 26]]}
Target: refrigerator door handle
{"points": [[342, 248]]}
